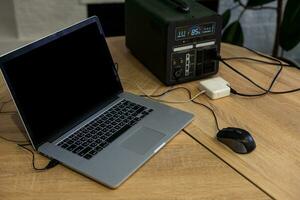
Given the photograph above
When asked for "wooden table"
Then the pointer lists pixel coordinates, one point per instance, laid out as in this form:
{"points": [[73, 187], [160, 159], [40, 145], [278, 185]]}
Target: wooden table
{"points": [[183, 169]]}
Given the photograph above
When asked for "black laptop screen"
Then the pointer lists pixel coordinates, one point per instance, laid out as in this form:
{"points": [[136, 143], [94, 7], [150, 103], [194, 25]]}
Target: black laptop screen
{"points": [[59, 83]]}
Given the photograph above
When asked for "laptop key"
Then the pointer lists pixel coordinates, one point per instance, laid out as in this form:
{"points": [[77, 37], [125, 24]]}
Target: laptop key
{"points": [[104, 118], [64, 145], [109, 126], [80, 134], [78, 142], [104, 144], [85, 144], [131, 123], [98, 141], [96, 135], [85, 151], [105, 130], [118, 133], [61, 143], [103, 137], [88, 156], [69, 141], [108, 134], [88, 135], [93, 152], [78, 149], [141, 109], [72, 147], [93, 144], [98, 148]]}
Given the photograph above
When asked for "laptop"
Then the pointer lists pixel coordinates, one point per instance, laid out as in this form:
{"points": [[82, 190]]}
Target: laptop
{"points": [[72, 104]]}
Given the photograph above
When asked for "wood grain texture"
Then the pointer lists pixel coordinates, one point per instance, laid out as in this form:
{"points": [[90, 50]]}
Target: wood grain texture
{"points": [[181, 170], [273, 120]]}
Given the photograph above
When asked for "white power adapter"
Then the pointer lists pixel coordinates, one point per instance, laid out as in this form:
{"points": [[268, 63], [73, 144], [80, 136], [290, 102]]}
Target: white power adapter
{"points": [[215, 88]]}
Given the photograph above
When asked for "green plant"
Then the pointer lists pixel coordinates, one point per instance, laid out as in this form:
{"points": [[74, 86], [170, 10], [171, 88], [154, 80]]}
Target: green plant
{"points": [[287, 34]]}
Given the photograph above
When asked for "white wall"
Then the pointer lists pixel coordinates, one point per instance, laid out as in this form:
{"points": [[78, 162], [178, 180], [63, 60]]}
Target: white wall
{"points": [[22, 21], [7, 20], [36, 18]]}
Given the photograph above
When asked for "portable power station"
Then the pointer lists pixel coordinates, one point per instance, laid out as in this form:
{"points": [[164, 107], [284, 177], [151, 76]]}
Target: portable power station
{"points": [[177, 40]]}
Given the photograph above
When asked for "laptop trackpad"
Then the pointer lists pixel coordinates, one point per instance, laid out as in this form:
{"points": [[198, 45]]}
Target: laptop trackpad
{"points": [[142, 140]]}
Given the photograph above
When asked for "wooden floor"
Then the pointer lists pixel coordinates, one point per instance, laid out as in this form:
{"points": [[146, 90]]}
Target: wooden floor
{"points": [[183, 169]]}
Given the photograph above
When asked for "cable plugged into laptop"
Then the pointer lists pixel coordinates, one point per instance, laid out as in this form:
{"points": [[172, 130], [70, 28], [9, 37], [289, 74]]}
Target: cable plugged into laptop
{"points": [[51, 164]]}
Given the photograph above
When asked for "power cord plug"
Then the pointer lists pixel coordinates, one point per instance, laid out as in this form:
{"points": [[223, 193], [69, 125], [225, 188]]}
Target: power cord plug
{"points": [[52, 163], [215, 88]]}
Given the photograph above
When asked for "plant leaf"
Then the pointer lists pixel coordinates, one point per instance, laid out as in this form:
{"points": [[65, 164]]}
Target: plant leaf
{"points": [[290, 28], [234, 34], [226, 16], [253, 3]]}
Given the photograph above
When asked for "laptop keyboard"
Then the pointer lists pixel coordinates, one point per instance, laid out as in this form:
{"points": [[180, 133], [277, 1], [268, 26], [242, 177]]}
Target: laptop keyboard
{"points": [[99, 133]]}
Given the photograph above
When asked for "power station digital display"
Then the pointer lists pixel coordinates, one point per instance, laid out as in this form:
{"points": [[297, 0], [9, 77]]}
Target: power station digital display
{"points": [[194, 31]]}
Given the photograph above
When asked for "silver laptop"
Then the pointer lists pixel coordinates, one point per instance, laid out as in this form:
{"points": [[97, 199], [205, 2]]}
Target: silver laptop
{"points": [[70, 99]]}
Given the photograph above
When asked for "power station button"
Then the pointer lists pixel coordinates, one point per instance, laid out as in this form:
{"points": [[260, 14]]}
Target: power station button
{"points": [[178, 73]]}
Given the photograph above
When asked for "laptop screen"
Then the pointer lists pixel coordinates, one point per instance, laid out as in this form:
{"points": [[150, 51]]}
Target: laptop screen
{"points": [[63, 81]]}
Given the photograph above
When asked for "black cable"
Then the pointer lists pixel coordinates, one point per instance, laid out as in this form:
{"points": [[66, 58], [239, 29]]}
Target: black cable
{"points": [[257, 60], [266, 91], [169, 90], [10, 140], [1, 112], [265, 62], [2, 106], [52, 163], [211, 110], [244, 76], [190, 96], [117, 66], [262, 55]]}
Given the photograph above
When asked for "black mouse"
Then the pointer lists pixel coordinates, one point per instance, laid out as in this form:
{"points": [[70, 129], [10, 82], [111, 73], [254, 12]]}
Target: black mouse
{"points": [[239, 140]]}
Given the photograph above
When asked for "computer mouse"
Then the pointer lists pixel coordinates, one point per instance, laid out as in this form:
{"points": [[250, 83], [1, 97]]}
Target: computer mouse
{"points": [[239, 140]]}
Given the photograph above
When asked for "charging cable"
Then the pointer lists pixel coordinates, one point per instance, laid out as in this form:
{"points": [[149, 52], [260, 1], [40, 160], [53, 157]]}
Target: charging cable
{"points": [[52, 163], [154, 97], [265, 91]]}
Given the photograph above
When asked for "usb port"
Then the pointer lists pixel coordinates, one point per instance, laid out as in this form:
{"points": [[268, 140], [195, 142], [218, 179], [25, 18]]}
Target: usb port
{"points": [[187, 64]]}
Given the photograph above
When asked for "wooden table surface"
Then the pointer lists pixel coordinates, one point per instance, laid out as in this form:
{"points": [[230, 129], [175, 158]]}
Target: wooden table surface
{"points": [[183, 169]]}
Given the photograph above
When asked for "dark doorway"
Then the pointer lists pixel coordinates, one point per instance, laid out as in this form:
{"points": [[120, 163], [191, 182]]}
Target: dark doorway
{"points": [[112, 15]]}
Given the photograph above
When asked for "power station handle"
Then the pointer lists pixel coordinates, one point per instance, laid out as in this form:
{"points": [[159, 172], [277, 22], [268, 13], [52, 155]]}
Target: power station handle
{"points": [[181, 5]]}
